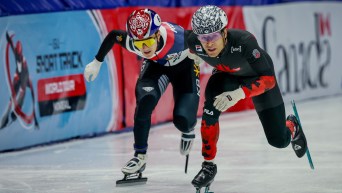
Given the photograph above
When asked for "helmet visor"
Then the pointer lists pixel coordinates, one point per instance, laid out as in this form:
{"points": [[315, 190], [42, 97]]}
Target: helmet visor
{"points": [[148, 42], [209, 37]]}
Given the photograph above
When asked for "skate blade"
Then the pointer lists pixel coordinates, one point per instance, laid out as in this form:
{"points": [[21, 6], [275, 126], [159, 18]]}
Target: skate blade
{"points": [[300, 125], [131, 182], [206, 188], [205, 191]]}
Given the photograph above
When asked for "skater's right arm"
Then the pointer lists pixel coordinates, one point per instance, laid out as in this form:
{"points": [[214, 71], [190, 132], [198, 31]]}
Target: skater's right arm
{"points": [[115, 36]]}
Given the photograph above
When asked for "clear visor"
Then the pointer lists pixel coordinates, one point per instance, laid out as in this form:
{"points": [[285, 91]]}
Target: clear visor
{"points": [[209, 37]]}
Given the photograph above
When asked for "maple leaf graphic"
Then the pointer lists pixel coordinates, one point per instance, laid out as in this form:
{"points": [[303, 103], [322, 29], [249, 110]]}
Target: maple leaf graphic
{"points": [[224, 68]]}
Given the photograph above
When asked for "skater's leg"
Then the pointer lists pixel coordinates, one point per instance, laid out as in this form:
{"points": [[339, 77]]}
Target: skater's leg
{"points": [[274, 124], [146, 102], [184, 118], [210, 135], [185, 83], [149, 88], [218, 83], [279, 132], [148, 92]]}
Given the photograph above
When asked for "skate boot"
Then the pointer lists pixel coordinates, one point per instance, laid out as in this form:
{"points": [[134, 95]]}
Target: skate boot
{"points": [[298, 141], [186, 143], [205, 176], [133, 171]]}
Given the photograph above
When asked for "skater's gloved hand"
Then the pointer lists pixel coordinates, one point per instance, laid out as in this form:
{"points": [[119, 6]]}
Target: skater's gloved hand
{"points": [[195, 58], [91, 70], [228, 99]]}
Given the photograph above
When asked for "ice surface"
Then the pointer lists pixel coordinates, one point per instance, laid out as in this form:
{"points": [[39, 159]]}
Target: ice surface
{"points": [[246, 163]]}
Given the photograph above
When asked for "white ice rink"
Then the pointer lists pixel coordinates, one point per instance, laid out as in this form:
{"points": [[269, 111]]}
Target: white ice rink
{"points": [[246, 163]]}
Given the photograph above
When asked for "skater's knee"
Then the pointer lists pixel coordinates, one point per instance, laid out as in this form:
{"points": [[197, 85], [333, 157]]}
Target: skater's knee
{"points": [[151, 97], [184, 123], [146, 92], [145, 104]]}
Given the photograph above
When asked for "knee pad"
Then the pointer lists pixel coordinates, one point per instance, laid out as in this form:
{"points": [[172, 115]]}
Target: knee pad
{"points": [[147, 97], [185, 112], [183, 123], [145, 106], [146, 89]]}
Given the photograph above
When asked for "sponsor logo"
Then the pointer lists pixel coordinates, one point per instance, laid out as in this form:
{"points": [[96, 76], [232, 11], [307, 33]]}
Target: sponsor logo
{"points": [[61, 94], [232, 49], [147, 89], [256, 53], [297, 147], [174, 57], [119, 38], [56, 43], [202, 175], [208, 112], [198, 48], [61, 105]]}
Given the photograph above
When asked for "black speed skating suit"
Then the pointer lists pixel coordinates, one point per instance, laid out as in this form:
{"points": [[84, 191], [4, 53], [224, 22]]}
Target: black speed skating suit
{"points": [[242, 63]]}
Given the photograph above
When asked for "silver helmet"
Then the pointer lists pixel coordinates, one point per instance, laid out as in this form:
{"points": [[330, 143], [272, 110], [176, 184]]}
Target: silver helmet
{"points": [[208, 19]]}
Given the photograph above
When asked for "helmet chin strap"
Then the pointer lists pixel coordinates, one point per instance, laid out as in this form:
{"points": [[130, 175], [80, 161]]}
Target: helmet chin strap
{"points": [[225, 41]]}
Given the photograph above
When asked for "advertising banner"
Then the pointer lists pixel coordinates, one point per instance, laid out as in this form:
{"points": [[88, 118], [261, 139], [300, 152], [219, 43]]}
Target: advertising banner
{"points": [[303, 40], [44, 96]]}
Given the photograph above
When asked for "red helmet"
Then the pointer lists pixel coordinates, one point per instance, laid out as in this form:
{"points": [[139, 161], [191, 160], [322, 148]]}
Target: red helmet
{"points": [[142, 23]]}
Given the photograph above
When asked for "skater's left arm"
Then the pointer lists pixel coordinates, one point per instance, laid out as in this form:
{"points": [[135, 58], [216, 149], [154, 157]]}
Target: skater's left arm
{"points": [[257, 59]]}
